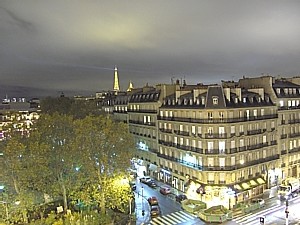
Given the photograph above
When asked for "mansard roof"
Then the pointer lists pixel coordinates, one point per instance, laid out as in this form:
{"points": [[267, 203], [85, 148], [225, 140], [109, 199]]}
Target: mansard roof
{"points": [[149, 96], [215, 98], [286, 89], [121, 99]]}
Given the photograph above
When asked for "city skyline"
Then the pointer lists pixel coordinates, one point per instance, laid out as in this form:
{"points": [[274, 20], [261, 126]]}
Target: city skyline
{"points": [[49, 47]]}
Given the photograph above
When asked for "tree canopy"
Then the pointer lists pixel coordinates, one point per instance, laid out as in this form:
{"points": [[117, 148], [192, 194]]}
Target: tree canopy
{"points": [[71, 158]]}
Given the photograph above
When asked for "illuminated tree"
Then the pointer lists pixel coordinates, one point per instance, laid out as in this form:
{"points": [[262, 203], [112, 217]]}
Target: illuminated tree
{"points": [[106, 148]]}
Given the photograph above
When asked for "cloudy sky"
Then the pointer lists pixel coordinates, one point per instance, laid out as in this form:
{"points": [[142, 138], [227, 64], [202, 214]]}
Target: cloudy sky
{"points": [[74, 45]]}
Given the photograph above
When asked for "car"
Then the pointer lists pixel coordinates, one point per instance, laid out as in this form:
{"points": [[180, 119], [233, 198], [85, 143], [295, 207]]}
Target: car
{"points": [[133, 187], [154, 212], [152, 201], [165, 190], [152, 184], [145, 179], [259, 201], [180, 197]]}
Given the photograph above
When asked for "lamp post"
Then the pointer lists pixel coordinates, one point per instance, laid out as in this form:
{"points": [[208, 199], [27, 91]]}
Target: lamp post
{"points": [[143, 211], [287, 212]]}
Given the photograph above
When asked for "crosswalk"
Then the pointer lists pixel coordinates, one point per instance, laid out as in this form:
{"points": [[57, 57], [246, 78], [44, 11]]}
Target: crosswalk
{"points": [[172, 218]]}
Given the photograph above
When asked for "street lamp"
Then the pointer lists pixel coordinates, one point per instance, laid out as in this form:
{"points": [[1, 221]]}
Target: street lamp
{"points": [[287, 212], [143, 211]]}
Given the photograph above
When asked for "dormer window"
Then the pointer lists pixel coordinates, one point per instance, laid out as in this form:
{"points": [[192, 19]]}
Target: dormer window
{"points": [[215, 100], [202, 100], [236, 100], [244, 100], [278, 91]]}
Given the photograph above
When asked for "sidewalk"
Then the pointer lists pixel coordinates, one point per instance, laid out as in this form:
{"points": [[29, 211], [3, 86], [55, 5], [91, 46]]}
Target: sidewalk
{"points": [[268, 194], [141, 205]]}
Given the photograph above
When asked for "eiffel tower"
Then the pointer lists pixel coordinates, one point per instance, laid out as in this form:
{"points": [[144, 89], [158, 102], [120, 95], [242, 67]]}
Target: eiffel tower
{"points": [[116, 80]]}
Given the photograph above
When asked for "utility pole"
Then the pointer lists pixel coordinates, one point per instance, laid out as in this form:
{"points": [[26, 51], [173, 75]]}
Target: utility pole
{"points": [[287, 212]]}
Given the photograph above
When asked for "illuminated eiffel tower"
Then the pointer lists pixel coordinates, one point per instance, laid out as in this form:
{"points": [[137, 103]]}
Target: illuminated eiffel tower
{"points": [[116, 80]]}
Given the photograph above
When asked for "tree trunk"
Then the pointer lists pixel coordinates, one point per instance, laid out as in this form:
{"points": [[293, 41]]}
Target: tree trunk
{"points": [[65, 197]]}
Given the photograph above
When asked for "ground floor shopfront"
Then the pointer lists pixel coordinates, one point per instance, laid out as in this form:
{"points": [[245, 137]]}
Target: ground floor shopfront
{"points": [[228, 195]]}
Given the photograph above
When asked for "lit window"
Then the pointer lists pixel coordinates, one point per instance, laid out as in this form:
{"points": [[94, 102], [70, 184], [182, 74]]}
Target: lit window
{"points": [[215, 100]]}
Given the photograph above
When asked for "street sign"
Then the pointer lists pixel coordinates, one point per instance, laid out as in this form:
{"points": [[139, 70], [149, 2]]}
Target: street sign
{"points": [[262, 220]]}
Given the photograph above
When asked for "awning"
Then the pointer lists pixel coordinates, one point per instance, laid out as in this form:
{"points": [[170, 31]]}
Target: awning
{"points": [[153, 167], [248, 184], [261, 181]]}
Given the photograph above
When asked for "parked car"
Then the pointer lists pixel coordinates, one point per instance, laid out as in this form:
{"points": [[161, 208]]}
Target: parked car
{"points": [[153, 201], [180, 197], [145, 179], [151, 183], [165, 190], [154, 212], [260, 201]]}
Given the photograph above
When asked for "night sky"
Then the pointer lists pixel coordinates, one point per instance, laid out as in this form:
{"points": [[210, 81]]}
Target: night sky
{"points": [[73, 46]]}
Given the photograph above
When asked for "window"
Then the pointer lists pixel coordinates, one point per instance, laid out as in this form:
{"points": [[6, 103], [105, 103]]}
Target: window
{"points": [[241, 128], [210, 161], [193, 130], [232, 144], [281, 104], [215, 100], [264, 139], [222, 147], [211, 176], [222, 162], [200, 144], [232, 129], [241, 142], [232, 160], [255, 112], [210, 145], [222, 177]]}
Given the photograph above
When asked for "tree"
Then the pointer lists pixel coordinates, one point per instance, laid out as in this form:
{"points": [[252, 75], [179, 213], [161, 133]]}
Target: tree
{"points": [[16, 174], [55, 133], [106, 148], [69, 106]]}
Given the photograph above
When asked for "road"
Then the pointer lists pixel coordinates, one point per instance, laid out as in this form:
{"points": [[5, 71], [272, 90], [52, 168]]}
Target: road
{"points": [[171, 211], [274, 214]]}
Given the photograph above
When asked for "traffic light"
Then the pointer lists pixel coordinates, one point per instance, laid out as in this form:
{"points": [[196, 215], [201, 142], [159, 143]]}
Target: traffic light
{"points": [[262, 220]]}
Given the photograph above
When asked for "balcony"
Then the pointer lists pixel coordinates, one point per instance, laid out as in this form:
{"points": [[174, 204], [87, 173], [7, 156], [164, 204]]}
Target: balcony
{"points": [[231, 150], [294, 135], [294, 150], [183, 133], [254, 132], [283, 136], [274, 142], [142, 123], [215, 136], [213, 151], [216, 121], [294, 121], [283, 152], [252, 147], [164, 130], [241, 149], [151, 111]]}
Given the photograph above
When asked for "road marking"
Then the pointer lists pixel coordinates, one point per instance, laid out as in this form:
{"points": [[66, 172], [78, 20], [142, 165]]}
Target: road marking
{"points": [[172, 218]]}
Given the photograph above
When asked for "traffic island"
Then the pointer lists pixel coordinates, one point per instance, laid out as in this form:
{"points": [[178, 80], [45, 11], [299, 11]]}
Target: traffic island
{"points": [[215, 214], [193, 206]]}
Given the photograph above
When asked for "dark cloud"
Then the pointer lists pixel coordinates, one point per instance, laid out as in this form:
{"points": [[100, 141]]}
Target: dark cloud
{"points": [[74, 45]]}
